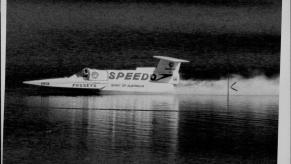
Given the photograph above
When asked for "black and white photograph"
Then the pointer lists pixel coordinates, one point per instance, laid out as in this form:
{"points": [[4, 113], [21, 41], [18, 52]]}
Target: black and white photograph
{"points": [[142, 81]]}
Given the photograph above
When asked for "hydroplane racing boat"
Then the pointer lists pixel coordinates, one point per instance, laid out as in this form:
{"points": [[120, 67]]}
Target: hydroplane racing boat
{"points": [[160, 79]]}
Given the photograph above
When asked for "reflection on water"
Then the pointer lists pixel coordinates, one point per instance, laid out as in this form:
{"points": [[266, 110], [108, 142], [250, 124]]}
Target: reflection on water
{"points": [[123, 102], [141, 129]]}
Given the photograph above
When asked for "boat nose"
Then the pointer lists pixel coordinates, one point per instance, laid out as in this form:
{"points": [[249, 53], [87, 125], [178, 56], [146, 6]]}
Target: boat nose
{"points": [[37, 82]]}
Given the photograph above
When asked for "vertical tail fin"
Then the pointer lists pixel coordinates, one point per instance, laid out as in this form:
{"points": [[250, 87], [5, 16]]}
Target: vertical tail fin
{"points": [[167, 70]]}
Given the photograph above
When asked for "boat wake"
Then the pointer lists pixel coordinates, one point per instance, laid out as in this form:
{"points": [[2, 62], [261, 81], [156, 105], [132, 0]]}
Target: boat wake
{"points": [[259, 85]]}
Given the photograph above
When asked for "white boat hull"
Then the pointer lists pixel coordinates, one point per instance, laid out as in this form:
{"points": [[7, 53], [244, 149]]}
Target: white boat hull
{"points": [[160, 79]]}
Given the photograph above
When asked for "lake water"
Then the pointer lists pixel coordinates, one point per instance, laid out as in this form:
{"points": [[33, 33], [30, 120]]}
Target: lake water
{"points": [[139, 128]]}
